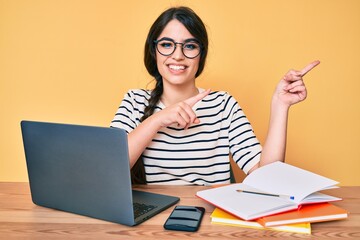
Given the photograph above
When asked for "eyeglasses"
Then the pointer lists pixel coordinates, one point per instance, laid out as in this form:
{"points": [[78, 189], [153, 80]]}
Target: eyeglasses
{"points": [[190, 48]]}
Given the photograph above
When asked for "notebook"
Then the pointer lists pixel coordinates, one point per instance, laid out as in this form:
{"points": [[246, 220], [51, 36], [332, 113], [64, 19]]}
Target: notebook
{"points": [[223, 218], [85, 170], [271, 189], [320, 212]]}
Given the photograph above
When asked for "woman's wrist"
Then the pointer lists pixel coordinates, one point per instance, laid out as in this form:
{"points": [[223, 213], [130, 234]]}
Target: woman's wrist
{"points": [[154, 123], [278, 105]]}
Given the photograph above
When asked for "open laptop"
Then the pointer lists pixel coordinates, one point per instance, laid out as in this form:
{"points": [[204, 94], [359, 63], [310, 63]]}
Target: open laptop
{"points": [[85, 170]]}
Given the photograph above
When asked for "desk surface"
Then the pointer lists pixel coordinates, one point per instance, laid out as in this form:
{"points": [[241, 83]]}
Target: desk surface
{"points": [[21, 219]]}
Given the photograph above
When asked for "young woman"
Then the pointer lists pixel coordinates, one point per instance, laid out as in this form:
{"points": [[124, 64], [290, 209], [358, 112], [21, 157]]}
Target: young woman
{"points": [[181, 134]]}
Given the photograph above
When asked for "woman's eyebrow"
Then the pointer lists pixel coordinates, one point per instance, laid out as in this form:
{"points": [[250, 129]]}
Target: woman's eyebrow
{"points": [[166, 38], [186, 40], [191, 40]]}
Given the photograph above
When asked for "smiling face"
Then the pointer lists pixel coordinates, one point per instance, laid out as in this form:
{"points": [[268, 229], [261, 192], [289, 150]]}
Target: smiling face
{"points": [[176, 69]]}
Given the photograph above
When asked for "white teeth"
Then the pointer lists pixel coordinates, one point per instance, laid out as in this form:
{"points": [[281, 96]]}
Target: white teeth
{"points": [[176, 67]]}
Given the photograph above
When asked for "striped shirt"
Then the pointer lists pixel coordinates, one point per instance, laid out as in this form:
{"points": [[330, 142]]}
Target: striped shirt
{"points": [[200, 154]]}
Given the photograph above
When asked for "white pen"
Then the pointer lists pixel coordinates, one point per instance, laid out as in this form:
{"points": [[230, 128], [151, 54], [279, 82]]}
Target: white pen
{"points": [[268, 194]]}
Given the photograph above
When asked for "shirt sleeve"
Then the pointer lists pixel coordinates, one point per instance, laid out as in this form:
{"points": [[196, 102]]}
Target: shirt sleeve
{"points": [[244, 145], [127, 115]]}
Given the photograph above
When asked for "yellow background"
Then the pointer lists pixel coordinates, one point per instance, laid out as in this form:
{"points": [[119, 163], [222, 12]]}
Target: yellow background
{"points": [[72, 61]]}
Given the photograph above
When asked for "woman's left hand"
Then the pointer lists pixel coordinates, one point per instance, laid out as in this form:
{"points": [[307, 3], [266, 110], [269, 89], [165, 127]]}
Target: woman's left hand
{"points": [[291, 88]]}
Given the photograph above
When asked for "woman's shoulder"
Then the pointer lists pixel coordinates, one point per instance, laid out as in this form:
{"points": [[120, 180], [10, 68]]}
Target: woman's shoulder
{"points": [[139, 94], [220, 95]]}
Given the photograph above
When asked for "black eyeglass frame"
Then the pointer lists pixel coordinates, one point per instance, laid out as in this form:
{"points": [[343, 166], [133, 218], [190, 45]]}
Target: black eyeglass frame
{"points": [[176, 43]]}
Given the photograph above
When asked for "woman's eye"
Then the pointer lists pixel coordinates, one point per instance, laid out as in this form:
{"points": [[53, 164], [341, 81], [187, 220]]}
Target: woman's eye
{"points": [[191, 46], [166, 44]]}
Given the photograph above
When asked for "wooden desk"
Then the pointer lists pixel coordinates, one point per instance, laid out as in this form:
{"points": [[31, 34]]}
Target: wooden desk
{"points": [[21, 219]]}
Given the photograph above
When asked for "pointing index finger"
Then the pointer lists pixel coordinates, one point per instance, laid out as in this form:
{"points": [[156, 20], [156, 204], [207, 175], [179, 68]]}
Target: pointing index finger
{"points": [[306, 69], [193, 100]]}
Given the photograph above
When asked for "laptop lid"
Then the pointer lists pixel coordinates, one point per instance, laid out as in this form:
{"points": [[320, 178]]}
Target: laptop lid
{"points": [[84, 170]]}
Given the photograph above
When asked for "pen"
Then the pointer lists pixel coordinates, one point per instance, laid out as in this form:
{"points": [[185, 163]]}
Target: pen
{"points": [[267, 194]]}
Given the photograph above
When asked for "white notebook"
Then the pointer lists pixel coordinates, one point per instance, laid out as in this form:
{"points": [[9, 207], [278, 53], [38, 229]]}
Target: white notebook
{"points": [[271, 189]]}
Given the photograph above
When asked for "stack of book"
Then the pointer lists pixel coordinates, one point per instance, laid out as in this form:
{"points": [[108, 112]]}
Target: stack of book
{"points": [[278, 197]]}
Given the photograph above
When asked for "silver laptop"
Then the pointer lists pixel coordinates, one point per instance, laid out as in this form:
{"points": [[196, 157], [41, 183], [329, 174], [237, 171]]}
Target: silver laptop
{"points": [[85, 170]]}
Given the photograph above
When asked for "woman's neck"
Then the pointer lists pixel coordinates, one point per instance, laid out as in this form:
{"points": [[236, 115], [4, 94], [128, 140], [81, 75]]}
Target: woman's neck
{"points": [[175, 94]]}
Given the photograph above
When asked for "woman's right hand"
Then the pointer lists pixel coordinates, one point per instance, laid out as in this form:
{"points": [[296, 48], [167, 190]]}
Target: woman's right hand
{"points": [[180, 113]]}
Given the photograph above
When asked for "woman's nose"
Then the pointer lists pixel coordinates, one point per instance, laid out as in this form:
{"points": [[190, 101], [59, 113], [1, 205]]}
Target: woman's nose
{"points": [[178, 54]]}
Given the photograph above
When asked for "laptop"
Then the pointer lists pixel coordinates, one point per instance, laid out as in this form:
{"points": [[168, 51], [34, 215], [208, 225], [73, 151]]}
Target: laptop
{"points": [[85, 170]]}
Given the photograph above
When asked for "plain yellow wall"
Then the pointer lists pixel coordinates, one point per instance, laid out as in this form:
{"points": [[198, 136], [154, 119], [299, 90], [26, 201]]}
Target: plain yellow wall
{"points": [[72, 61]]}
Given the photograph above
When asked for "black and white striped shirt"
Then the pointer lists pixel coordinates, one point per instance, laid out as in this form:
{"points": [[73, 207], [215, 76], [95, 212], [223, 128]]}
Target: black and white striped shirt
{"points": [[200, 154]]}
